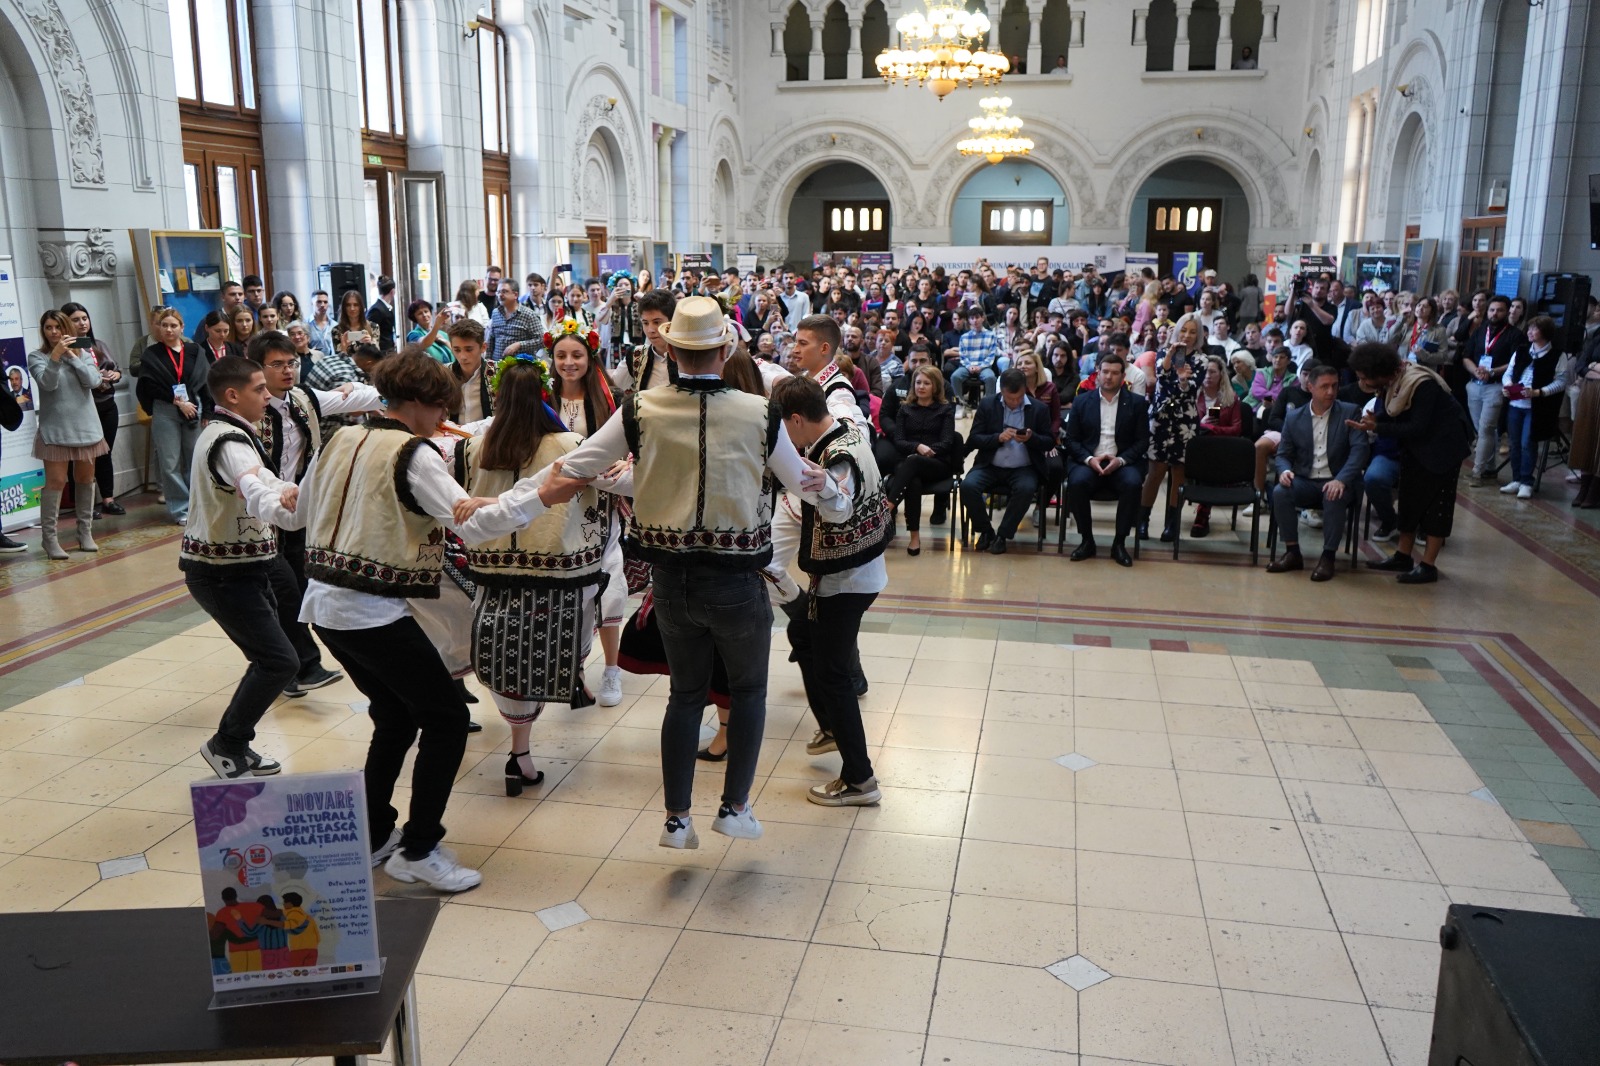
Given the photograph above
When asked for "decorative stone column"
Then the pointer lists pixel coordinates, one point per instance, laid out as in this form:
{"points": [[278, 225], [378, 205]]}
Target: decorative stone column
{"points": [[1035, 52], [1141, 15], [853, 63], [1180, 43], [1225, 39], [814, 60], [664, 138], [1077, 26], [1269, 22]]}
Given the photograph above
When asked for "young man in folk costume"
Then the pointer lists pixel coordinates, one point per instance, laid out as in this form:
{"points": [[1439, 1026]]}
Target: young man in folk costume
{"points": [[705, 454], [292, 430], [844, 556], [375, 504], [649, 365], [229, 557]]}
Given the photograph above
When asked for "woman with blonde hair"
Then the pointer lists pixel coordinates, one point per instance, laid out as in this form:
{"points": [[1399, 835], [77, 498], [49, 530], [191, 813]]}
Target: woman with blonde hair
{"points": [[924, 433], [1174, 421], [1040, 385], [69, 438], [172, 390]]}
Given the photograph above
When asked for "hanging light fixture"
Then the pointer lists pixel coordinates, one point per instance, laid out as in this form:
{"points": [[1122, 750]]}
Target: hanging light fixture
{"points": [[942, 47], [995, 132]]}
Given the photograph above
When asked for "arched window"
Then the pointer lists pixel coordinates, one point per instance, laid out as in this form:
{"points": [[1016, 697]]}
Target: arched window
{"points": [[1205, 25], [874, 37], [1192, 220], [1161, 35], [1205, 219], [1247, 28], [1055, 33], [835, 42], [797, 43], [213, 50], [1013, 33], [494, 96]]}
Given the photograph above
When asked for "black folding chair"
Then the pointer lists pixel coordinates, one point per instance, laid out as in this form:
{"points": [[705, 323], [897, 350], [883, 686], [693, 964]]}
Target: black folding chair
{"points": [[1220, 472]]}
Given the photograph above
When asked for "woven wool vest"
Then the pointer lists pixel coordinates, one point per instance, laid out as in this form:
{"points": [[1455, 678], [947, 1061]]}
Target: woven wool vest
{"points": [[220, 534], [833, 547], [305, 412], [368, 533]]}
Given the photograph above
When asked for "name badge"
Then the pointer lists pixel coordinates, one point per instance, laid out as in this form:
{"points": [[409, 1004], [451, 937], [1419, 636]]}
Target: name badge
{"points": [[180, 394]]}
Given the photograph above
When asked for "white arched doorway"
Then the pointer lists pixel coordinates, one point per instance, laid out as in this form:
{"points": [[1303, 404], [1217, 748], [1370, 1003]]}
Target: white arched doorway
{"points": [[602, 194], [1015, 185], [1407, 179]]}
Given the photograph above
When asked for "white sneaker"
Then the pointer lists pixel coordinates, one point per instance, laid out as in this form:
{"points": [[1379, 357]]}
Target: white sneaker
{"points": [[740, 824], [388, 848], [1511, 486], [611, 687], [1525, 492], [1312, 518], [679, 833], [439, 870]]}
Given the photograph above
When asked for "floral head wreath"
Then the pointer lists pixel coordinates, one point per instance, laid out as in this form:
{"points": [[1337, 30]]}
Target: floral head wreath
{"points": [[571, 327], [524, 359], [622, 275]]}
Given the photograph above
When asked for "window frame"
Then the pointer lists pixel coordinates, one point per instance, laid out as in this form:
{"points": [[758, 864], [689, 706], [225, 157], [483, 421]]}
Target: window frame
{"points": [[243, 88], [394, 66], [989, 234]]}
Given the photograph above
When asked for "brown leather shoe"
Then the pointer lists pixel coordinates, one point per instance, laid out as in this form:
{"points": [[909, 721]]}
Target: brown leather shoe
{"points": [[1323, 571], [1289, 560]]}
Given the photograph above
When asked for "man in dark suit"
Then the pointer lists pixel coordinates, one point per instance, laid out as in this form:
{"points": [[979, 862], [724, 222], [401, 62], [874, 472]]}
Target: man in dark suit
{"points": [[1106, 437], [381, 313], [1011, 438], [1319, 465]]}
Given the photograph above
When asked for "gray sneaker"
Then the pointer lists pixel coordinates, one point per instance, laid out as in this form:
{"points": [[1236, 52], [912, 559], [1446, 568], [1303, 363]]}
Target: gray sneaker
{"points": [[838, 794], [821, 743]]}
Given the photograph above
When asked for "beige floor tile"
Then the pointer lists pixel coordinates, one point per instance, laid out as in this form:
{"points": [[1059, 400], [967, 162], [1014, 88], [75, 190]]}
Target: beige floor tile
{"points": [[18, 728], [24, 770], [1280, 671], [1016, 871], [73, 701], [1137, 883], [136, 891], [796, 850], [893, 645], [1124, 747], [92, 781], [1422, 738], [1046, 708], [575, 1029], [1252, 841], [1264, 894], [948, 1051], [598, 958], [1455, 815], [1030, 653], [1366, 703], [31, 883], [1189, 665], [857, 986], [1194, 720], [484, 820], [644, 893], [1397, 973], [641, 842], [1430, 773], [571, 829], [928, 812], [1115, 686], [1024, 778], [1026, 740], [1407, 1034], [933, 673], [1523, 901], [1206, 692], [1341, 849], [1252, 797], [1331, 803], [753, 974], [1052, 679], [803, 1043], [884, 669], [1225, 755], [1154, 947], [1505, 864], [110, 833], [1315, 762], [901, 860], [998, 1004], [1154, 1022], [1020, 820], [957, 649], [1288, 696], [630, 747], [167, 791], [783, 799], [1116, 660], [132, 672], [529, 880], [949, 771], [937, 734], [26, 823], [481, 944], [177, 853], [1270, 1030], [883, 918], [663, 1034], [1129, 786], [1329, 729], [609, 785], [1412, 910], [753, 904], [80, 737], [1283, 960], [1132, 830], [1012, 931]]}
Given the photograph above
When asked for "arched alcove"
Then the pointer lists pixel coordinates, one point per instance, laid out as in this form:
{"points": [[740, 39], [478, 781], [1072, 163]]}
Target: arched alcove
{"points": [[1197, 182], [797, 43], [722, 204], [1055, 33], [1205, 26], [835, 42], [874, 37], [1160, 34], [1012, 182], [1311, 201], [1247, 27], [1013, 33], [809, 218], [604, 193], [1405, 192], [1504, 38]]}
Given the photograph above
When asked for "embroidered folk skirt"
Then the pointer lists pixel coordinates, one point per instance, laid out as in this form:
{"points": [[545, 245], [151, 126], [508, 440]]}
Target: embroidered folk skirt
{"points": [[530, 643]]}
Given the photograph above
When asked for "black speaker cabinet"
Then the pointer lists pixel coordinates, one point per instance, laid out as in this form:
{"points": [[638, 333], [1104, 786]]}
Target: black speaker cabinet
{"points": [[339, 278], [1565, 298], [1517, 988]]}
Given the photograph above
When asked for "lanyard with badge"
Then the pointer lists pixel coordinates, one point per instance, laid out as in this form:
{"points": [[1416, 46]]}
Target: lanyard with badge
{"points": [[180, 391]]}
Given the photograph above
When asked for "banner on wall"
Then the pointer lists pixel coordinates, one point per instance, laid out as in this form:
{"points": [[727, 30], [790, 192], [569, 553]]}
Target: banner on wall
{"points": [[1107, 258], [1281, 272], [1507, 276], [1134, 263], [21, 475], [611, 262], [1186, 269], [1380, 273]]}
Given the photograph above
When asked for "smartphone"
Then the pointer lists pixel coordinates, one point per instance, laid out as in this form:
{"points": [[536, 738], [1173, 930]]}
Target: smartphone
{"points": [[81, 342]]}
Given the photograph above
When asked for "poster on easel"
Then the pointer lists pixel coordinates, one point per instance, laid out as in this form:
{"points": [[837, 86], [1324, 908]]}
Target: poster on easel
{"points": [[1378, 273], [286, 867], [1416, 265], [21, 475]]}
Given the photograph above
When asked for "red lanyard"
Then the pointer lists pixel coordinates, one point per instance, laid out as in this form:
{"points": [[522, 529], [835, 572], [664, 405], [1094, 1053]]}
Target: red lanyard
{"points": [[1490, 342], [177, 356], [1415, 329]]}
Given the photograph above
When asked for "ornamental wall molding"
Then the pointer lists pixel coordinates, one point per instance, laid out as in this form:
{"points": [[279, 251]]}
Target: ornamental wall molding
{"points": [[1424, 104], [1059, 158], [1199, 138], [91, 256], [591, 120], [803, 153], [1257, 253], [768, 254], [86, 163]]}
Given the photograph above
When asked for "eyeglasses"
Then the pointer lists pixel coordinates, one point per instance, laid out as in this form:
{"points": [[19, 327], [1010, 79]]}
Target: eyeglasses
{"points": [[276, 366]]}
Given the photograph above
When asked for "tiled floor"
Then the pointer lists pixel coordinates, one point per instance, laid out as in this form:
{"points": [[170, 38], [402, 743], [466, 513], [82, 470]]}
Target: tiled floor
{"points": [[1183, 815]]}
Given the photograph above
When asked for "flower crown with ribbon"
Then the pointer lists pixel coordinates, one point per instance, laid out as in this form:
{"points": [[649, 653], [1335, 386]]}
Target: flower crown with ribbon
{"points": [[525, 359], [571, 327], [622, 275]]}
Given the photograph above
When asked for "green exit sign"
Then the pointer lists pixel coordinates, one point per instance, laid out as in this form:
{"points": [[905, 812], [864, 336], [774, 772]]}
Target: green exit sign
{"points": [[374, 160]]}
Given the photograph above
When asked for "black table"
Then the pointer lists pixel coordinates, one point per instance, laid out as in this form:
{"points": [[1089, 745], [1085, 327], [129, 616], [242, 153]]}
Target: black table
{"points": [[134, 986]]}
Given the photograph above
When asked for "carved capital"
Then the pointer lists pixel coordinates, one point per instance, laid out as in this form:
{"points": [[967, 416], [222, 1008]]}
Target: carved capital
{"points": [[86, 164], [88, 257]]}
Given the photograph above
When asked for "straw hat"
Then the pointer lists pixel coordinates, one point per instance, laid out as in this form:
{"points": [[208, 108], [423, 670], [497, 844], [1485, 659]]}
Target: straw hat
{"points": [[698, 325]]}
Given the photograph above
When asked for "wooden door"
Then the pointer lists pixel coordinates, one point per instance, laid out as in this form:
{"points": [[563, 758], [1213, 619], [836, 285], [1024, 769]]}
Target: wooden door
{"points": [[1174, 226], [597, 245]]}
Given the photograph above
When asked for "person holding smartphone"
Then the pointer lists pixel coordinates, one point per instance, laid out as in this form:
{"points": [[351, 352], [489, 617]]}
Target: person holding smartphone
{"points": [[1011, 439], [69, 437], [352, 329]]}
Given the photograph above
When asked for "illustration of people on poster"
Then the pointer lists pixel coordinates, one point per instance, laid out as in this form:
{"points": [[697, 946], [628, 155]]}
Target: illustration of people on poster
{"points": [[21, 475], [288, 879]]}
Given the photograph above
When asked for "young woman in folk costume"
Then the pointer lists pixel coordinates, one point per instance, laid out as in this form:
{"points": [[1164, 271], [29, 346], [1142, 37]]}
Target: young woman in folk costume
{"points": [[536, 602], [585, 404]]}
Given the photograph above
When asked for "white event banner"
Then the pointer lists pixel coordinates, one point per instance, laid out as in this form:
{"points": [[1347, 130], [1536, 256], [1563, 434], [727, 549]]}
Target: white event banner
{"points": [[1107, 258], [21, 475]]}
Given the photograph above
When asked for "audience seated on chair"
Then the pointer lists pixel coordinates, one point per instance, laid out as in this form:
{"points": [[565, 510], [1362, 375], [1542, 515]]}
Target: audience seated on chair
{"points": [[924, 436], [1319, 464], [1105, 438], [1011, 440]]}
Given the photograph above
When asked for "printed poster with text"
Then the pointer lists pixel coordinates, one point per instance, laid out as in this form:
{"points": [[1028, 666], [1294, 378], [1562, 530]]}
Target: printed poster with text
{"points": [[21, 475], [288, 879]]}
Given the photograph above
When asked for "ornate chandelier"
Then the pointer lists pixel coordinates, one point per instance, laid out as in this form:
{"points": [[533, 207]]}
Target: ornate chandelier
{"points": [[995, 132], [942, 47]]}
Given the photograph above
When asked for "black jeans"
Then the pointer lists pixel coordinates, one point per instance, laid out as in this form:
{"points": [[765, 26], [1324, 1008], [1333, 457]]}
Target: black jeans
{"points": [[701, 608], [408, 691], [104, 473], [1083, 483], [1019, 483], [289, 584], [826, 646], [906, 484], [244, 606]]}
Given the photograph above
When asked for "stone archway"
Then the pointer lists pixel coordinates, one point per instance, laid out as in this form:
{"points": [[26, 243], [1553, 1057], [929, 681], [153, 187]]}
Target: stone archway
{"points": [[1213, 216], [809, 227], [1408, 177]]}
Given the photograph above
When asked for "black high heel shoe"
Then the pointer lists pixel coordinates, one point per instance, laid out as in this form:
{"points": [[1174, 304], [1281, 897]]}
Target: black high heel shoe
{"points": [[707, 755], [516, 779]]}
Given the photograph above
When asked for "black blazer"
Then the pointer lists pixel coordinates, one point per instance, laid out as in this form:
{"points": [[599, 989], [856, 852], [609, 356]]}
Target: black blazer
{"points": [[381, 315], [989, 421], [1081, 434]]}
